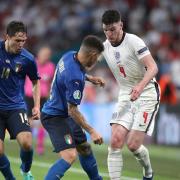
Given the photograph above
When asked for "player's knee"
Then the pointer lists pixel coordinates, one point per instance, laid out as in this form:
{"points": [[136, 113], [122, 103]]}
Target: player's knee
{"points": [[116, 142], [26, 146], [69, 155], [25, 140], [84, 148], [132, 146], [72, 156]]}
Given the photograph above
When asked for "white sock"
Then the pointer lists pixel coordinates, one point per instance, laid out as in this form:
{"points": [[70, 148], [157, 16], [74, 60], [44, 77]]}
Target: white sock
{"points": [[115, 163], [142, 156]]}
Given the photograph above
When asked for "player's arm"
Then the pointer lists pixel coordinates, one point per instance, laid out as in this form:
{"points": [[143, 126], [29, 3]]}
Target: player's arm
{"points": [[95, 80], [79, 118], [151, 71], [36, 98]]}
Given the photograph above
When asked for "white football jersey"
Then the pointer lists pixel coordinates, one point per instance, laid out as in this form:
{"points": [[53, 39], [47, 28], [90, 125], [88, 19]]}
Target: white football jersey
{"points": [[124, 62]]}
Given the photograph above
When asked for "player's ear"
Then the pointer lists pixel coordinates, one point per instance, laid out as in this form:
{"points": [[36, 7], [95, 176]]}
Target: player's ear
{"points": [[121, 24], [91, 53], [95, 55]]}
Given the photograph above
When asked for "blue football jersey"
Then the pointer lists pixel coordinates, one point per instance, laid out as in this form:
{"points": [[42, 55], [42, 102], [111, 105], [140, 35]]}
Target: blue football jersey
{"points": [[67, 86], [13, 70]]}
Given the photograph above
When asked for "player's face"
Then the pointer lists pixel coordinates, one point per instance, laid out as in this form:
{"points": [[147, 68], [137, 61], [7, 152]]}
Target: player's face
{"points": [[113, 32], [16, 42]]}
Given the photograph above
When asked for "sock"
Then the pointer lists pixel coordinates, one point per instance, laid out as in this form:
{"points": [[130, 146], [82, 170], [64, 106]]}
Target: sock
{"points": [[88, 163], [115, 163], [26, 158], [5, 168], [142, 156], [57, 170]]}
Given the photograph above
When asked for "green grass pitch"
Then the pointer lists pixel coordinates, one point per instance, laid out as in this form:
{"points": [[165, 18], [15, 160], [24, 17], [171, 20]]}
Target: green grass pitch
{"points": [[165, 161]]}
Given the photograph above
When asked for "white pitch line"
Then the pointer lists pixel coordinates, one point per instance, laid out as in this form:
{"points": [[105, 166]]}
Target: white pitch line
{"points": [[74, 170]]}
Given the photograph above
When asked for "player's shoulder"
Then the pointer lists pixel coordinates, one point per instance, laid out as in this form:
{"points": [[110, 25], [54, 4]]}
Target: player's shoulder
{"points": [[68, 54], [107, 46], [25, 53], [72, 66], [67, 61], [106, 43], [132, 37]]}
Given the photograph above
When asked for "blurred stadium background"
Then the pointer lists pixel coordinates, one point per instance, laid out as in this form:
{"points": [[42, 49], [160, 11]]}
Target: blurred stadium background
{"points": [[63, 24]]}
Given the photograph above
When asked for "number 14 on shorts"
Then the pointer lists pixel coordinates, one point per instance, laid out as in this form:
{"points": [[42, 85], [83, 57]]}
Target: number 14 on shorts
{"points": [[24, 118]]}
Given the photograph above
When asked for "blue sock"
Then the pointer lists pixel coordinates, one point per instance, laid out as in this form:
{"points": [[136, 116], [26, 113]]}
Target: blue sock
{"points": [[89, 165], [57, 170], [5, 168], [26, 158]]}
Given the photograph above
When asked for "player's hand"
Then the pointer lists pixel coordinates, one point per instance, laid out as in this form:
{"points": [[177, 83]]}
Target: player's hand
{"points": [[30, 120], [96, 137], [35, 113], [96, 80], [136, 92]]}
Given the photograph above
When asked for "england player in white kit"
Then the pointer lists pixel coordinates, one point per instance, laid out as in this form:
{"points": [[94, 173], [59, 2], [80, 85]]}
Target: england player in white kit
{"points": [[134, 69]]}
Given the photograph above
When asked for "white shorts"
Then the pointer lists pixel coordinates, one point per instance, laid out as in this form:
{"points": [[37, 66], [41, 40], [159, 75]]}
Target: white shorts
{"points": [[137, 115]]}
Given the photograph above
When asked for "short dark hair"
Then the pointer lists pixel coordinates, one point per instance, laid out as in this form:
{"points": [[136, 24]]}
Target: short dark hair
{"points": [[93, 42], [110, 17], [15, 26]]}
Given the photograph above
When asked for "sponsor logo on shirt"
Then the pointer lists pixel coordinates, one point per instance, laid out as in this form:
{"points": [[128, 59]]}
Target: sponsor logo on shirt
{"points": [[77, 94]]}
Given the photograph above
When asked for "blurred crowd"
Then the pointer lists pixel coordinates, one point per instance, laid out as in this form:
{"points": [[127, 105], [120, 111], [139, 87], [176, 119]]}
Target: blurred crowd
{"points": [[62, 25]]}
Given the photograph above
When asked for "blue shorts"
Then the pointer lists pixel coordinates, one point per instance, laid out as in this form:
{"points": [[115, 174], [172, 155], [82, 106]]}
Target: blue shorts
{"points": [[64, 133], [15, 121]]}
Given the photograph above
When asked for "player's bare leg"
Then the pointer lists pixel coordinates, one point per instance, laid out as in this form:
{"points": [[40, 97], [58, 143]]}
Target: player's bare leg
{"points": [[141, 153]]}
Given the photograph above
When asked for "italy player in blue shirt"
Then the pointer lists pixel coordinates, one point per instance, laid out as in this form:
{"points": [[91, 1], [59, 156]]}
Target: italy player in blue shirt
{"points": [[15, 63], [60, 114]]}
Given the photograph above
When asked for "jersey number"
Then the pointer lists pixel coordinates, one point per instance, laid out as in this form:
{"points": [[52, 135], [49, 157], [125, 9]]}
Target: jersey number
{"points": [[122, 71], [5, 73], [24, 118], [145, 115]]}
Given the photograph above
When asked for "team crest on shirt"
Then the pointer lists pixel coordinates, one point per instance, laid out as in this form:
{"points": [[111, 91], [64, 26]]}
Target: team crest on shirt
{"points": [[77, 94], [68, 139], [117, 56], [18, 67]]}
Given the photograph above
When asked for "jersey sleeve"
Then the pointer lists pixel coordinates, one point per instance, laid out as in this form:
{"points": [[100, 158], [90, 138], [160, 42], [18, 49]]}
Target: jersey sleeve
{"points": [[74, 91], [139, 47], [32, 71]]}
